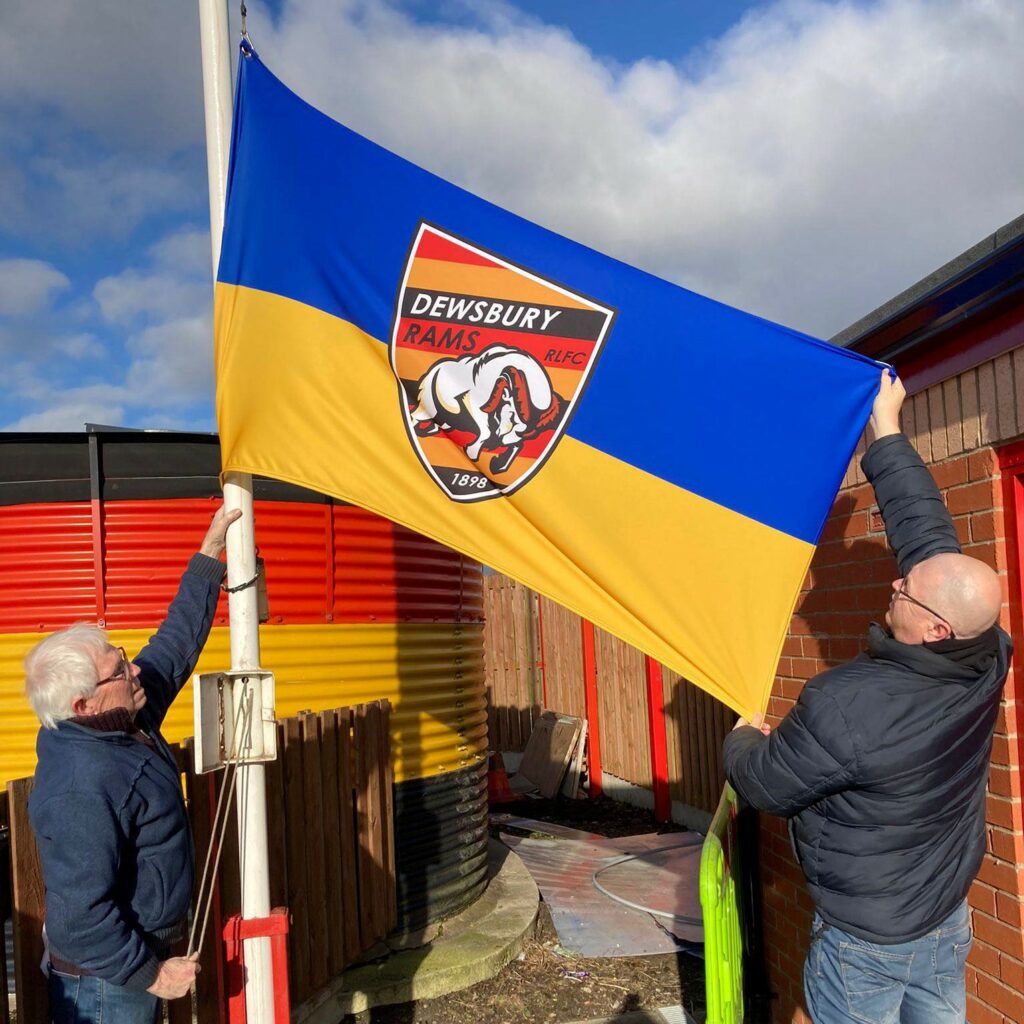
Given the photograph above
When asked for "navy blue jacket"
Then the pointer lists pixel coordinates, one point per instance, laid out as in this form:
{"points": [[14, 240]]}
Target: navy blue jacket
{"points": [[108, 812], [882, 764]]}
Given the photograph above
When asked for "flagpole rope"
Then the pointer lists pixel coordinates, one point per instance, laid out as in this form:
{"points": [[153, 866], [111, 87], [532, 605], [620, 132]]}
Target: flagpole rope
{"points": [[243, 825], [220, 823]]}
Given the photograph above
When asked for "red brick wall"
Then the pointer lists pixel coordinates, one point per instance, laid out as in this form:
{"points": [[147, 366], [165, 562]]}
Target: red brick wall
{"points": [[847, 587]]}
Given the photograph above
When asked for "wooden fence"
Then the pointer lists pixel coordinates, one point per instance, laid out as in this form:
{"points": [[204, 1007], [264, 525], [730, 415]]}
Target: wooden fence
{"points": [[511, 662], [535, 660], [332, 860]]}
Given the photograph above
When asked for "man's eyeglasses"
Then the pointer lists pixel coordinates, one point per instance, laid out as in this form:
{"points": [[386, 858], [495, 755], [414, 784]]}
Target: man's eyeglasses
{"points": [[902, 592], [123, 669]]}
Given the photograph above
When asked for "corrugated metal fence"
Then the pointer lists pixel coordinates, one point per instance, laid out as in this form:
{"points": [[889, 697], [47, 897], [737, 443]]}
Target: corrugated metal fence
{"points": [[331, 835], [360, 608], [534, 659]]}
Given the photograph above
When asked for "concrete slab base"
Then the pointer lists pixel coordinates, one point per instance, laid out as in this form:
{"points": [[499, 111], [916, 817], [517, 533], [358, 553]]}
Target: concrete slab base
{"points": [[468, 948]]}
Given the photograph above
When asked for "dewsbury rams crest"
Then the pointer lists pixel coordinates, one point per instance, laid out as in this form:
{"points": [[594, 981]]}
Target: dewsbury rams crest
{"points": [[491, 360]]}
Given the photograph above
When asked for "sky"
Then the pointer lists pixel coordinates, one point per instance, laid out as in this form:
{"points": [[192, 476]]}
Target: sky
{"points": [[803, 160]]}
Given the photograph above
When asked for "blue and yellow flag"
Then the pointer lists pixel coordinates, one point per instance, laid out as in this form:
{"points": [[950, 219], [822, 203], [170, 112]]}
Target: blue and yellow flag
{"points": [[655, 461]]}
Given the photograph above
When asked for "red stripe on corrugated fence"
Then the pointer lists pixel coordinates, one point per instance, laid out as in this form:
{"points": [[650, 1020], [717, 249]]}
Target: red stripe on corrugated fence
{"points": [[380, 572]]}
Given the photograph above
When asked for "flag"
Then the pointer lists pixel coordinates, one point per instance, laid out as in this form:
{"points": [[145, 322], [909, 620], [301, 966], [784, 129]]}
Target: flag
{"points": [[656, 461]]}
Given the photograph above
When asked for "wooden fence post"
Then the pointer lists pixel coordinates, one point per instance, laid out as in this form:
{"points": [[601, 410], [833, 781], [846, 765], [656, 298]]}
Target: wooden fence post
{"points": [[373, 889], [387, 783], [5, 822], [347, 832], [543, 653], [295, 826], [316, 871], [28, 907], [334, 890], [210, 996]]}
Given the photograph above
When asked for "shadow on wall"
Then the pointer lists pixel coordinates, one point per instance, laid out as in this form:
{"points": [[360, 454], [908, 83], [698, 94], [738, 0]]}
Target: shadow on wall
{"points": [[848, 587]]}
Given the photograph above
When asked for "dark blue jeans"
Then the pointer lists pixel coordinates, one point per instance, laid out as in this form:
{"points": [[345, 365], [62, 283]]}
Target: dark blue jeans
{"points": [[95, 1001], [847, 979]]}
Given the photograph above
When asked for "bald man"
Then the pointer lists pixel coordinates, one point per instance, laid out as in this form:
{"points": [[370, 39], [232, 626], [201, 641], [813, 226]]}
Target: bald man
{"points": [[881, 766]]}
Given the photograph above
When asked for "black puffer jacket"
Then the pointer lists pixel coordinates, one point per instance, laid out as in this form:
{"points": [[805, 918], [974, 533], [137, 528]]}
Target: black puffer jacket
{"points": [[882, 764]]}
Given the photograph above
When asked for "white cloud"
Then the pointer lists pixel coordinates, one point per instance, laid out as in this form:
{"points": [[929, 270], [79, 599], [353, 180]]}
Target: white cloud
{"points": [[28, 285], [69, 413], [69, 408], [185, 251], [80, 347], [101, 118], [80, 198], [816, 160], [128, 73], [158, 314], [172, 364], [808, 165], [159, 295], [169, 376]]}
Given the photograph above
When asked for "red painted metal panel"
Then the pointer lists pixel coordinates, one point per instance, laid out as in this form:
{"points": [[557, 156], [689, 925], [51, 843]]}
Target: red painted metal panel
{"points": [[380, 572], [146, 546], [386, 573], [292, 539], [47, 577]]}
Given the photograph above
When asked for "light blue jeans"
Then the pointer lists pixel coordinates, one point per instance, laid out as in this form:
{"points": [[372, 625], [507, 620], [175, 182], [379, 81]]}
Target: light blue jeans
{"points": [[847, 979], [95, 1001]]}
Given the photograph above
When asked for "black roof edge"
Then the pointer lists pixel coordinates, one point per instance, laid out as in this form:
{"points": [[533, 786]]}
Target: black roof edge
{"points": [[983, 280], [106, 428], [123, 433]]}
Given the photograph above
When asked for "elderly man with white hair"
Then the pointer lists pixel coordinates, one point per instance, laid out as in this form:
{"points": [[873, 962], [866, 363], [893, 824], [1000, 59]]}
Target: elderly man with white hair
{"points": [[107, 806]]}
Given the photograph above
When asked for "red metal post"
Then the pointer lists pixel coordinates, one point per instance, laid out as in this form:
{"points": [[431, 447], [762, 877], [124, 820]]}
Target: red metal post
{"points": [[590, 701], [659, 743], [543, 657], [1011, 465], [236, 931]]}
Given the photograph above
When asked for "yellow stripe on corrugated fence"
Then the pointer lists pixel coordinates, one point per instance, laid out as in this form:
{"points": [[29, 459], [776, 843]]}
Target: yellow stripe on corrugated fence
{"points": [[433, 674]]}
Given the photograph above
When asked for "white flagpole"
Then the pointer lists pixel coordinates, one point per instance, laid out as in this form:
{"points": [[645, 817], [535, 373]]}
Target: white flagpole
{"points": [[250, 782]]}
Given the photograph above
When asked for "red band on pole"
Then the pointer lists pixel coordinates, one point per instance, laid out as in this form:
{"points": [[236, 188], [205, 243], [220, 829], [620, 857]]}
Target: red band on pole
{"points": [[236, 930]]}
